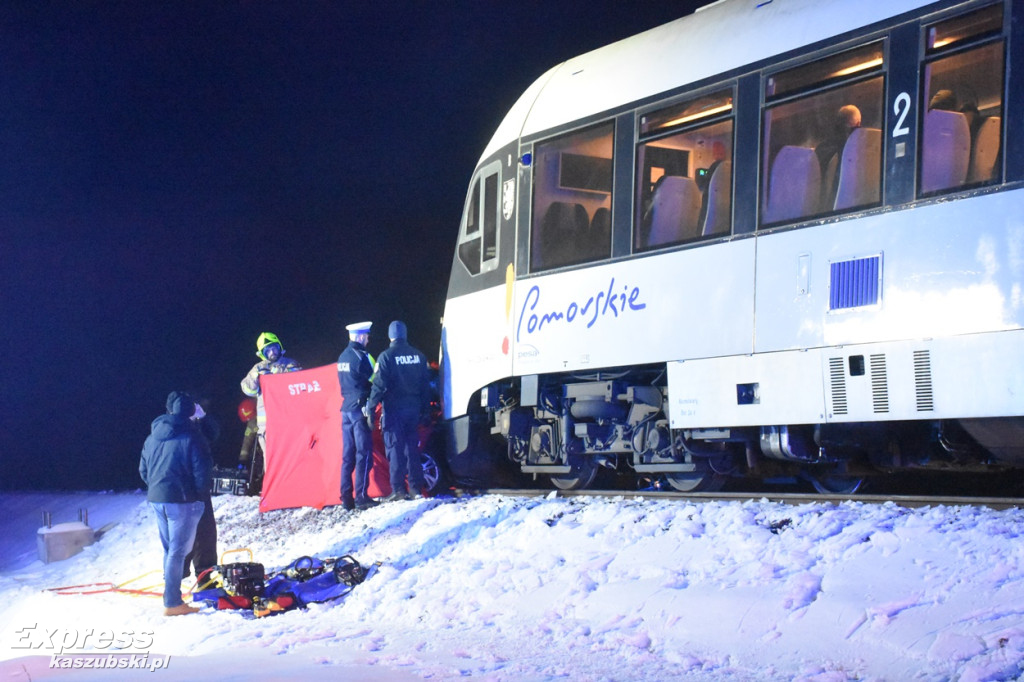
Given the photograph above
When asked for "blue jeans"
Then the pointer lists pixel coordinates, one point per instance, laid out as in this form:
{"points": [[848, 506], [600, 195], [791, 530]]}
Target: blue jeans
{"points": [[177, 522]]}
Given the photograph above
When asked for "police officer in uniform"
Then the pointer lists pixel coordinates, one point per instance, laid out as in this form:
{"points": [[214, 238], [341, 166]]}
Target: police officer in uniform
{"points": [[402, 383], [355, 368]]}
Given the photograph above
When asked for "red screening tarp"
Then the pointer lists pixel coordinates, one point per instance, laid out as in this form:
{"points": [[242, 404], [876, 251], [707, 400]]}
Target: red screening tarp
{"points": [[303, 446]]}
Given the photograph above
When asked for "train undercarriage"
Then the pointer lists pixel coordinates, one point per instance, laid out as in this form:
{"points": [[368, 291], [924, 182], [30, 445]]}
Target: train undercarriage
{"points": [[569, 427]]}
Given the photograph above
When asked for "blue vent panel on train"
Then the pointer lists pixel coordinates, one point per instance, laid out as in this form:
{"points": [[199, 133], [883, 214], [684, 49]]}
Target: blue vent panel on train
{"points": [[855, 283]]}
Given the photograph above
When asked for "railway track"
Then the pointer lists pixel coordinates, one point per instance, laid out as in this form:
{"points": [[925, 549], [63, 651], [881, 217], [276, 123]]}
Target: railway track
{"points": [[910, 501]]}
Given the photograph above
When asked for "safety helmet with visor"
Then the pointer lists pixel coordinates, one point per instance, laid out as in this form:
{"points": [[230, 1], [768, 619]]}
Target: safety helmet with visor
{"points": [[268, 347]]}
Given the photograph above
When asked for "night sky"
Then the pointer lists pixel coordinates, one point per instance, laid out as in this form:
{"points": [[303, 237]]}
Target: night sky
{"points": [[176, 178]]}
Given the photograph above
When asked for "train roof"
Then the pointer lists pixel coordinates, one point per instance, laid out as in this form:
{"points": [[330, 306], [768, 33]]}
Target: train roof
{"points": [[715, 39]]}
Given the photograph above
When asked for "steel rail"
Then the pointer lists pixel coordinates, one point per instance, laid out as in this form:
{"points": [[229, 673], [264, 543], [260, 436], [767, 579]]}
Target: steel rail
{"points": [[909, 501]]}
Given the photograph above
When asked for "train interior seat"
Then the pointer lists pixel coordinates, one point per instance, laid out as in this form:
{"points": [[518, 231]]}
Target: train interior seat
{"points": [[600, 237], [562, 229], [579, 232], [675, 210], [716, 221], [829, 175], [946, 150], [985, 151], [859, 182], [795, 188]]}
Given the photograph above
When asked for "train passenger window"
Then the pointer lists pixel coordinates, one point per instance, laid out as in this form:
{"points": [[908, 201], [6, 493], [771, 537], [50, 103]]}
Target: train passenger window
{"points": [[962, 101], [822, 150], [983, 23], [478, 240], [684, 172], [572, 197]]}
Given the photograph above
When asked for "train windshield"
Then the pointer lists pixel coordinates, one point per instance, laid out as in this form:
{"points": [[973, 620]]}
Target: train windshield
{"points": [[478, 242]]}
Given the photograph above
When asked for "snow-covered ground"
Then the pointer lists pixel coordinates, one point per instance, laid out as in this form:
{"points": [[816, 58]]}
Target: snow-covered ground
{"points": [[524, 589]]}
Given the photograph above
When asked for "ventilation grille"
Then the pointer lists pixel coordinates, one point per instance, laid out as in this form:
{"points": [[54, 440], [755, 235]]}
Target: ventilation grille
{"points": [[837, 370], [855, 283], [923, 380], [879, 384]]}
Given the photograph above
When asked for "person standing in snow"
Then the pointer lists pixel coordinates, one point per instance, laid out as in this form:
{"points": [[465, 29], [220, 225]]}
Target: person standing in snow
{"points": [[402, 384], [272, 361], [355, 368], [177, 469]]}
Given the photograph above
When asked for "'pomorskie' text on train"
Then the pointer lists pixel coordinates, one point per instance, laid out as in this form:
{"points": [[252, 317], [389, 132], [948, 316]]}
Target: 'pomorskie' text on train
{"points": [[532, 320]]}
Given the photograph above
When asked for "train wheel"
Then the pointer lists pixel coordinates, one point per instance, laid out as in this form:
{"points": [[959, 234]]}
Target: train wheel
{"points": [[695, 481], [835, 485], [584, 469]]}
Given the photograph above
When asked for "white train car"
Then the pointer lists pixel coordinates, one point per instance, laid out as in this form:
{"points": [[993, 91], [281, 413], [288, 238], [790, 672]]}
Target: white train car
{"points": [[774, 235]]}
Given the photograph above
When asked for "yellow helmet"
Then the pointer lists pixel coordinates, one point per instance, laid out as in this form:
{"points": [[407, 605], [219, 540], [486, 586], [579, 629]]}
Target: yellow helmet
{"points": [[265, 339]]}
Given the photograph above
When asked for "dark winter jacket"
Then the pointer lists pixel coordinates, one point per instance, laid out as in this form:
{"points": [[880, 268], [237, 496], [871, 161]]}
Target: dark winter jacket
{"points": [[355, 368], [402, 380], [176, 465]]}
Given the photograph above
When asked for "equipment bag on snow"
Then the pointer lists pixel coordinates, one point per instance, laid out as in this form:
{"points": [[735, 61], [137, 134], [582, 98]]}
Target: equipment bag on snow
{"points": [[307, 580], [311, 580]]}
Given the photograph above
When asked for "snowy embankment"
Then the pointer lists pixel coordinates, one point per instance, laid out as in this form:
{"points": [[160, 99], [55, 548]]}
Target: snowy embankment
{"points": [[505, 588]]}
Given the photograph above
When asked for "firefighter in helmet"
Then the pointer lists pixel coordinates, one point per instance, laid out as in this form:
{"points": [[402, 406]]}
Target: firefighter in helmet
{"points": [[272, 361]]}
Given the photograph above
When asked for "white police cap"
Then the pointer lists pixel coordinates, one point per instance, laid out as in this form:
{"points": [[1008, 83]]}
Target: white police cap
{"points": [[359, 327]]}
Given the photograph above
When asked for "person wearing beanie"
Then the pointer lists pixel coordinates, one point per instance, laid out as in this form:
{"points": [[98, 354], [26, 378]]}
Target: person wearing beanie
{"points": [[397, 330], [402, 384], [355, 367], [177, 469]]}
